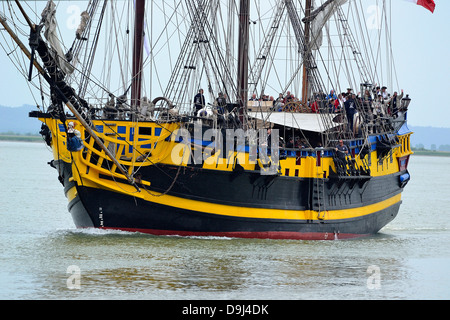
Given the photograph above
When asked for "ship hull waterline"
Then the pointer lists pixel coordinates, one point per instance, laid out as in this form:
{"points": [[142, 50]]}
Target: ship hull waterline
{"points": [[169, 221], [103, 209]]}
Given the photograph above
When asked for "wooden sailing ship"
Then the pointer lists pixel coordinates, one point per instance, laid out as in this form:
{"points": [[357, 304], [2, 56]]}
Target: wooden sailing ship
{"points": [[235, 167]]}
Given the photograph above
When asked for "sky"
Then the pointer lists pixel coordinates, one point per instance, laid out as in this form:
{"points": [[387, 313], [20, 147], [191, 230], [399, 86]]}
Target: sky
{"points": [[421, 50]]}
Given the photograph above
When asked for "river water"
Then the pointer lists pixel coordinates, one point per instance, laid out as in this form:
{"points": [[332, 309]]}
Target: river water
{"points": [[44, 257]]}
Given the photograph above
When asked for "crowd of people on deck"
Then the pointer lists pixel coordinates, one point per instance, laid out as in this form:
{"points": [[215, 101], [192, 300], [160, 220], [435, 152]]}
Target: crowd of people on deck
{"points": [[374, 103], [382, 102]]}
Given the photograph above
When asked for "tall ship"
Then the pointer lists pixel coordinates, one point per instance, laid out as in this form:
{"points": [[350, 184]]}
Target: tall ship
{"points": [[233, 118]]}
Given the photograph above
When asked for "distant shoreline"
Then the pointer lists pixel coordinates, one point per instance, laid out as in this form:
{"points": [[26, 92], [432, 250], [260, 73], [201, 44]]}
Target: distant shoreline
{"points": [[37, 138], [431, 153], [20, 138]]}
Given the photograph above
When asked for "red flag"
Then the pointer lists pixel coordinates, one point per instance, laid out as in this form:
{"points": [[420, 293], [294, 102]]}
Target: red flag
{"points": [[428, 4]]}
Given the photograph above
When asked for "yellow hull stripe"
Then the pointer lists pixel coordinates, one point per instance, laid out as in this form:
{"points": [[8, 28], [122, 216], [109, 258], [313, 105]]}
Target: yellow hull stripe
{"points": [[262, 213], [244, 212]]}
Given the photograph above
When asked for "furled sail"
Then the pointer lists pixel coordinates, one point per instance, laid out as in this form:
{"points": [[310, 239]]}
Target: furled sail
{"points": [[49, 19], [319, 17], [83, 24]]}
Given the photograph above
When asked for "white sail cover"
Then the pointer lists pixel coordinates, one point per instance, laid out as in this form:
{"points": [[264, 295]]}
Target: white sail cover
{"points": [[48, 16], [320, 20], [305, 121]]}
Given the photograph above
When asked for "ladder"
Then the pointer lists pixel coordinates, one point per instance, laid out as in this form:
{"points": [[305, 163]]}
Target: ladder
{"points": [[363, 70], [303, 47], [265, 51], [186, 63], [84, 48], [200, 43], [318, 198]]}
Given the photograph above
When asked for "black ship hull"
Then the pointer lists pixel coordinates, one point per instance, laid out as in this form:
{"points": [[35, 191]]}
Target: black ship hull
{"points": [[365, 205]]}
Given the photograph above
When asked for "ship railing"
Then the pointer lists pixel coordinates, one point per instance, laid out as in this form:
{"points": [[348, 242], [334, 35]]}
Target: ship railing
{"points": [[306, 152], [351, 167], [130, 154]]}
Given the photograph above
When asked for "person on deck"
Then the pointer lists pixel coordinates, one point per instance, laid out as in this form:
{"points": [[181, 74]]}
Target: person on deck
{"points": [[341, 157], [71, 127], [341, 99], [376, 91], [394, 104], [378, 107], [74, 142], [384, 93], [337, 105], [221, 103], [288, 97], [341, 149], [253, 98], [315, 107], [331, 105], [350, 110], [290, 144], [367, 97], [279, 103], [332, 95], [199, 101]]}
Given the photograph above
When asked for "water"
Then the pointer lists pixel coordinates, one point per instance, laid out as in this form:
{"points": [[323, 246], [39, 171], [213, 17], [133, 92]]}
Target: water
{"points": [[409, 259]]}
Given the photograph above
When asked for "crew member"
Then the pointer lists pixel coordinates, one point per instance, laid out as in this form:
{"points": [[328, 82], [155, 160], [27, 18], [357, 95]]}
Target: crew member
{"points": [[350, 109], [199, 101], [341, 156]]}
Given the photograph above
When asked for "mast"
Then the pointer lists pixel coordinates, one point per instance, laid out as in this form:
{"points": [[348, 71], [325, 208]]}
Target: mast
{"points": [[136, 85], [306, 63], [242, 87]]}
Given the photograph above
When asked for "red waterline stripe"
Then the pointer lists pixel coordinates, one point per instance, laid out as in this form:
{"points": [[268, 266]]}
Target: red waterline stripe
{"points": [[248, 235]]}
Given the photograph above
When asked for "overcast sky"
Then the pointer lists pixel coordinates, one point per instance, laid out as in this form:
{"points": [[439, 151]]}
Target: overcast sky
{"points": [[421, 49]]}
